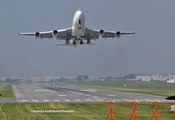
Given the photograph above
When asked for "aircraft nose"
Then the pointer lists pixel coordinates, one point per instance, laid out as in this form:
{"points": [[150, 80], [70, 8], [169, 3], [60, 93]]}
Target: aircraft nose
{"points": [[79, 13]]}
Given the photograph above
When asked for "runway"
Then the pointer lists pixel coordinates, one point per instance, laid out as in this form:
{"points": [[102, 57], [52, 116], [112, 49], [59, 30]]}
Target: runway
{"points": [[47, 93], [7, 99]]}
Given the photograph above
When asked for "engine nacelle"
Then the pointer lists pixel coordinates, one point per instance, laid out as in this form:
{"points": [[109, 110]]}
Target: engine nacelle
{"points": [[37, 34], [101, 32], [55, 32], [118, 34]]}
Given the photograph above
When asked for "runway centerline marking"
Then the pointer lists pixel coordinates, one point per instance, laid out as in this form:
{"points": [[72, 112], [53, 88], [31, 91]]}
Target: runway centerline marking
{"points": [[56, 100], [35, 100], [46, 100], [42, 90], [96, 97], [77, 100], [87, 95], [67, 100], [89, 100], [62, 95], [91, 90], [24, 100], [111, 95]]}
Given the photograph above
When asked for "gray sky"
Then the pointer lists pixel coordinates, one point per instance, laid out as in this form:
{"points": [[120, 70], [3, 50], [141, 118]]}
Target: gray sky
{"points": [[151, 50]]}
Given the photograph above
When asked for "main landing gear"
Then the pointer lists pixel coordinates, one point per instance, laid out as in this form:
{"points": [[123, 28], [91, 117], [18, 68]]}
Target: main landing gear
{"points": [[67, 41], [81, 42], [74, 42]]}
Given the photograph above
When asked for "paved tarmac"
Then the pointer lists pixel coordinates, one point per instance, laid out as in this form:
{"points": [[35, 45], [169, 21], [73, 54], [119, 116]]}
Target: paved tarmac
{"points": [[47, 93], [7, 99]]}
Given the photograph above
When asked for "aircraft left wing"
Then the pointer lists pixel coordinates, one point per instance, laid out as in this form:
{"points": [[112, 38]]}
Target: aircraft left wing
{"points": [[47, 34], [94, 34], [112, 34], [59, 34]]}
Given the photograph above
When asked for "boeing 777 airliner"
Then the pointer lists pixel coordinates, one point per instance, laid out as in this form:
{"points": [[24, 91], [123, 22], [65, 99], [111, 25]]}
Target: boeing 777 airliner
{"points": [[78, 34]]}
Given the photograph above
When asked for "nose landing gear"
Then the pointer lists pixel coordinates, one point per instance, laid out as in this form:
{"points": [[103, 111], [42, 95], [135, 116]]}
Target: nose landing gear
{"points": [[67, 41], [74, 42], [81, 42], [88, 41]]}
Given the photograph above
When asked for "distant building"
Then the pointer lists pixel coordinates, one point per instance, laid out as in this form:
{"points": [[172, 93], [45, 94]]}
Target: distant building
{"points": [[43, 78], [171, 81], [3, 78], [144, 77], [171, 78], [153, 77], [160, 77]]}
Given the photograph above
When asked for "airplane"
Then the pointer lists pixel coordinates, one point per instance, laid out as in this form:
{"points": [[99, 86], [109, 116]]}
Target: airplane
{"points": [[78, 33]]}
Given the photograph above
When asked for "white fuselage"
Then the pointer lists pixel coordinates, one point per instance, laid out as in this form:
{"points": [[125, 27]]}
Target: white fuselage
{"points": [[78, 25]]}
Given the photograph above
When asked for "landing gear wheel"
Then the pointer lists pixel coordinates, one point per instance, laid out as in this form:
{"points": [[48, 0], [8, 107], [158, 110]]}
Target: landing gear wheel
{"points": [[74, 42], [88, 41], [67, 41], [81, 42]]}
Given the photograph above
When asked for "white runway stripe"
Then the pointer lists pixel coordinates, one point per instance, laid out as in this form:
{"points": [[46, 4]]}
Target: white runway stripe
{"points": [[111, 95], [35, 100], [67, 100], [24, 100], [62, 95], [89, 100], [56, 100], [77, 100], [45, 100]]}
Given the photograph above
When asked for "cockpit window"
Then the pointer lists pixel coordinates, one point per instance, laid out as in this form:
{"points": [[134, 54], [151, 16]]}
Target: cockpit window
{"points": [[79, 22]]}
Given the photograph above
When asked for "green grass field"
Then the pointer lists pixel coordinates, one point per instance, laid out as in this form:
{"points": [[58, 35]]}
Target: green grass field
{"points": [[5, 90], [82, 111], [155, 88]]}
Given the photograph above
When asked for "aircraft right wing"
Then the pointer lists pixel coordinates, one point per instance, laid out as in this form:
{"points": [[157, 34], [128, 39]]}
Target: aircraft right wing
{"points": [[62, 34], [47, 34]]}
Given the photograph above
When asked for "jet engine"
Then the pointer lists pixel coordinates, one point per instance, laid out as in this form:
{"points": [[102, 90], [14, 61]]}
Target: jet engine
{"points": [[101, 32], [55, 32], [37, 34], [118, 34]]}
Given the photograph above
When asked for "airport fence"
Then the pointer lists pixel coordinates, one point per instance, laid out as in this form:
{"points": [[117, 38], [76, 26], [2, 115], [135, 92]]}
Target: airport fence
{"points": [[141, 110]]}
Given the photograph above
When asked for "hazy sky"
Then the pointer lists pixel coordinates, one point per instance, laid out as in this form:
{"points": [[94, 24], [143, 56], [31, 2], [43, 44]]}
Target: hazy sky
{"points": [[150, 50]]}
